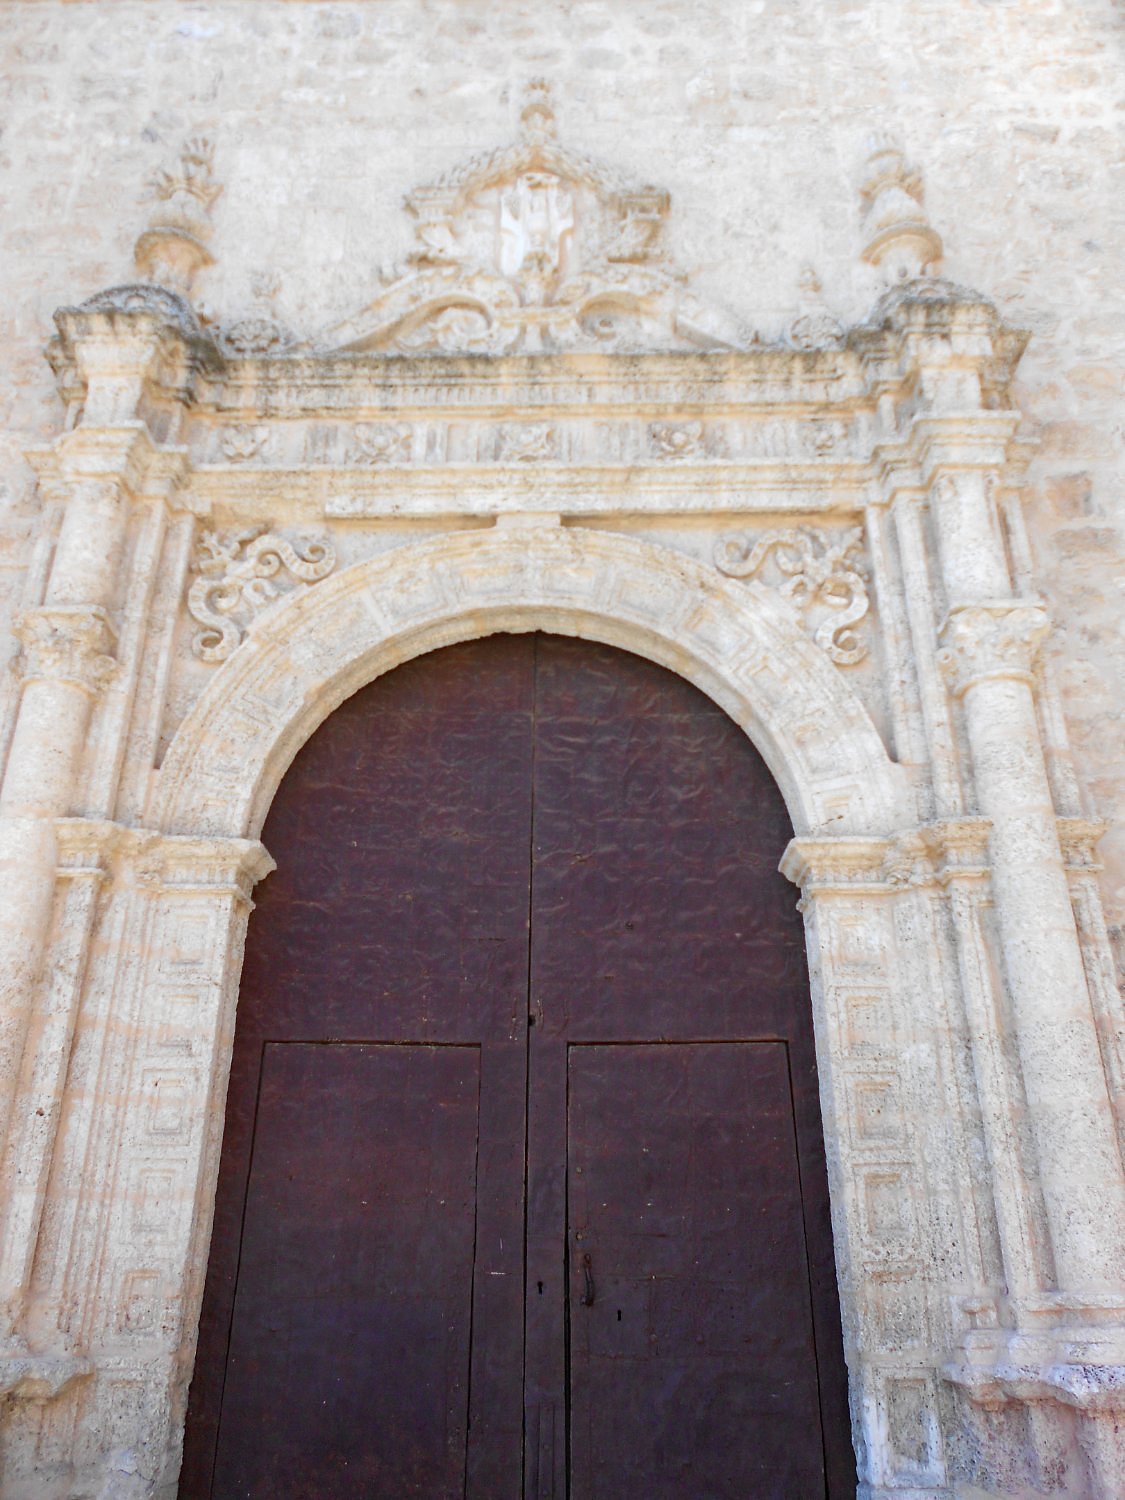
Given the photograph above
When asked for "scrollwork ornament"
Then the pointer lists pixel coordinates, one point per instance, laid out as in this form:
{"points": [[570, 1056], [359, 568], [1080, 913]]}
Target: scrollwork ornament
{"points": [[817, 570], [236, 582]]}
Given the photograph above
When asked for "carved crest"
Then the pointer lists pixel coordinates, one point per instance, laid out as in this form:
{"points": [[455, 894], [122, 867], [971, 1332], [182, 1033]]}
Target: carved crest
{"points": [[534, 247]]}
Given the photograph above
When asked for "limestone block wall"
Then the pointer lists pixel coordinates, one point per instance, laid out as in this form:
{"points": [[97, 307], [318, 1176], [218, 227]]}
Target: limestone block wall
{"points": [[754, 114]]}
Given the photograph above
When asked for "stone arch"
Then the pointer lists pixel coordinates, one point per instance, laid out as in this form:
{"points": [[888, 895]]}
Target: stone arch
{"points": [[735, 641]]}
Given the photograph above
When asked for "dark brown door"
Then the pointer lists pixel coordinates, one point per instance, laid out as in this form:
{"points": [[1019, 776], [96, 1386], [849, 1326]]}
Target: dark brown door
{"points": [[523, 1193]]}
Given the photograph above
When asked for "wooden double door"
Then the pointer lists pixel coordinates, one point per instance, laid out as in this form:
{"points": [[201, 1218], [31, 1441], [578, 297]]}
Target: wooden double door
{"points": [[522, 1192]]}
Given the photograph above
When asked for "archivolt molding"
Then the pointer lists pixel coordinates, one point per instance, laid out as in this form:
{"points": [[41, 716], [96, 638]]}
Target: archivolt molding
{"points": [[734, 641]]}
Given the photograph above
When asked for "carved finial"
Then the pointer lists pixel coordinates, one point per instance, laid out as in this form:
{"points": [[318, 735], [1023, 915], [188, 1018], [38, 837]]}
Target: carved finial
{"points": [[815, 326], [537, 117], [900, 241], [174, 246]]}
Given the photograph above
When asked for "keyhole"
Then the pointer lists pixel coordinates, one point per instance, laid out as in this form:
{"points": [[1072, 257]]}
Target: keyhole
{"points": [[619, 1315], [540, 1285]]}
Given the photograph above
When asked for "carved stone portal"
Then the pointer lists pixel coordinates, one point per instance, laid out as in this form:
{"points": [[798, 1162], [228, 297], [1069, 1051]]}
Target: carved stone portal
{"points": [[242, 529]]}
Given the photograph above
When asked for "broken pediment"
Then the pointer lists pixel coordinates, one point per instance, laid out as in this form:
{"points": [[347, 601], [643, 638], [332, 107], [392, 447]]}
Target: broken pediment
{"points": [[534, 248]]}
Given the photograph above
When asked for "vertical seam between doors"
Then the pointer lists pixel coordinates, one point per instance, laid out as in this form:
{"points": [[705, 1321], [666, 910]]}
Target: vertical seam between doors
{"points": [[527, 1040], [808, 1267]]}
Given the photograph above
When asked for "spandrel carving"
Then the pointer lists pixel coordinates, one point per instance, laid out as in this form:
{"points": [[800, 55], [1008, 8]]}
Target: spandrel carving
{"points": [[239, 576], [816, 570]]}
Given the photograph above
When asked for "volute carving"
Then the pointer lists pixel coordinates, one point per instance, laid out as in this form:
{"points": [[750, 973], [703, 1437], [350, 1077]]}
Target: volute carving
{"points": [[236, 582], [816, 569]]}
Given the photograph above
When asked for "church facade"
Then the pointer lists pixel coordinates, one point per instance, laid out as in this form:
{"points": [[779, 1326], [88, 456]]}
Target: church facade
{"points": [[764, 345]]}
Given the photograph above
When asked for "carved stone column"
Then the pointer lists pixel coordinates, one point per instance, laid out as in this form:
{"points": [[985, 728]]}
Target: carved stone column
{"points": [[958, 444], [989, 649], [67, 657], [69, 640]]}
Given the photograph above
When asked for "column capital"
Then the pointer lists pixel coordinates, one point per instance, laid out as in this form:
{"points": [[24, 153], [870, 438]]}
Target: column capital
{"points": [[188, 864], [125, 343], [72, 643], [122, 455], [943, 444], [932, 854], [991, 641], [163, 863]]}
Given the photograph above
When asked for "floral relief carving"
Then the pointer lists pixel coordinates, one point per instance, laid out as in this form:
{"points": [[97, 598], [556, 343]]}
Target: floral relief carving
{"points": [[677, 439], [527, 442], [241, 444], [383, 444], [816, 570], [236, 582], [256, 334]]}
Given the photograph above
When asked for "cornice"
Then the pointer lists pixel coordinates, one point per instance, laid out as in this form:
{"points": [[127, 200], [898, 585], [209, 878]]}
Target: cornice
{"points": [[161, 862]]}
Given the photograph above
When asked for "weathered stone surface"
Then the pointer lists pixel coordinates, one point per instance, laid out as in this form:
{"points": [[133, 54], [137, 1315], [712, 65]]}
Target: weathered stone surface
{"points": [[666, 354]]}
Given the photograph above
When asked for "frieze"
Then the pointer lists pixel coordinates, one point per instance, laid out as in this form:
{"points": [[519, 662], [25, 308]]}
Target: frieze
{"points": [[631, 441]]}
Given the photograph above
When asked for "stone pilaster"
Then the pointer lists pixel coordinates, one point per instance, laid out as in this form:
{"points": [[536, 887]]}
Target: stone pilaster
{"points": [[989, 655], [70, 650]]}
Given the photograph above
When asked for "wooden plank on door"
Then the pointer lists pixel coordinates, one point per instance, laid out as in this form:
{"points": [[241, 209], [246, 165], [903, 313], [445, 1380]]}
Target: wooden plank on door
{"points": [[692, 1362], [348, 1370]]}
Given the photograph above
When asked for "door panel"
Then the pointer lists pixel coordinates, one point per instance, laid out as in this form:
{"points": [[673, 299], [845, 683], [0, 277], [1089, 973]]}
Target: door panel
{"points": [[659, 914], [348, 1367], [559, 861], [398, 913], [692, 1360]]}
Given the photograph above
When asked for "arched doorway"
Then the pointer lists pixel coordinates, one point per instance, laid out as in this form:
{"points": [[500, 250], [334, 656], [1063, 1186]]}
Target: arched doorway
{"points": [[522, 1189]]}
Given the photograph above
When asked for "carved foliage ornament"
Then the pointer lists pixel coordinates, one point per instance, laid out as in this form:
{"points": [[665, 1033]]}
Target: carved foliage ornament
{"points": [[992, 641], [385, 443], [67, 643], [236, 582], [816, 570], [534, 247]]}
